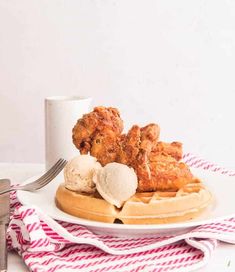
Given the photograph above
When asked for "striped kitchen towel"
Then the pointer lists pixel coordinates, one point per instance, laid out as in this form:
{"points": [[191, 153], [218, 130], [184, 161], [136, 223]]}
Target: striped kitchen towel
{"points": [[47, 245]]}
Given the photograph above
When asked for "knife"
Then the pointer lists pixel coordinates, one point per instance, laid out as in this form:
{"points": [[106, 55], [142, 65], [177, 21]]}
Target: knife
{"points": [[4, 220]]}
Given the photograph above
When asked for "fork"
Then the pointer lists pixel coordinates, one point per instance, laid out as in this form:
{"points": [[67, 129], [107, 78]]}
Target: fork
{"points": [[40, 182]]}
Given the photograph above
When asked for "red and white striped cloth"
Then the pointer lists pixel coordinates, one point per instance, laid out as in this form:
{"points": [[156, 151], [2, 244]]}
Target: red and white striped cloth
{"points": [[47, 245]]}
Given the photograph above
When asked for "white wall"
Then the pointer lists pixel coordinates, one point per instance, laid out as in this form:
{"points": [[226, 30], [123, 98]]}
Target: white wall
{"points": [[166, 61]]}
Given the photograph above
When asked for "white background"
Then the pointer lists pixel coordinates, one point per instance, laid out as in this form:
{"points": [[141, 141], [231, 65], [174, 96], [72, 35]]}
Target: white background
{"points": [[165, 61]]}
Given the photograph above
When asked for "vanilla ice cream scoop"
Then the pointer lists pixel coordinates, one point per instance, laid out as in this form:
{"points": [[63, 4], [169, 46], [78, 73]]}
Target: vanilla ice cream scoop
{"points": [[116, 183], [79, 173]]}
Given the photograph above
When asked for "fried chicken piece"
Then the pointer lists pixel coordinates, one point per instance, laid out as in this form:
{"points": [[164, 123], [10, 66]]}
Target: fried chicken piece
{"points": [[129, 146], [173, 149], [105, 146], [148, 140], [136, 148], [166, 174], [138, 140], [149, 137], [161, 169], [155, 163], [90, 125]]}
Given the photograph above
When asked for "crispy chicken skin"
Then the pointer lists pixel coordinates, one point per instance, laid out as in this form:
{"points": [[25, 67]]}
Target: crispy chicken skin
{"points": [[145, 139], [173, 149], [149, 137], [166, 174], [160, 168], [105, 146], [155, 163], [89, 127], [129, 146], [137, 140]]}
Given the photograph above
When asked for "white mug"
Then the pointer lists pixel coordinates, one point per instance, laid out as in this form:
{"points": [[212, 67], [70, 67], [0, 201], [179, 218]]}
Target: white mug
{"points": [[61, 114]]}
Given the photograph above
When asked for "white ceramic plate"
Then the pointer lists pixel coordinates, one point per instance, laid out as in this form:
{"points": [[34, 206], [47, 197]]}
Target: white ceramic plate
{"points": [[222, 187]]}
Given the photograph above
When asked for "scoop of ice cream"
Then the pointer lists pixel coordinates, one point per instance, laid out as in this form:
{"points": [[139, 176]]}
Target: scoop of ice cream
{"points": [[79, 173], [116, 183]]}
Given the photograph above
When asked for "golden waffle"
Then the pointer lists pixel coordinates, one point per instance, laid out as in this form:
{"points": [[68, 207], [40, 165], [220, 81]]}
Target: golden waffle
{"points": [[142, 208]]}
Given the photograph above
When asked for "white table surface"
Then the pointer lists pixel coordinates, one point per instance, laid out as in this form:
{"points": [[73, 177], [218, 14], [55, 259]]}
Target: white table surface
{"points": [[223, 258]]}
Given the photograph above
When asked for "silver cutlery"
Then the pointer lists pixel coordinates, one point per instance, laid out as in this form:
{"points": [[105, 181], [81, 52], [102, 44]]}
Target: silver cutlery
{"points": [[40, 182], [5, 188], [4, 220]]}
